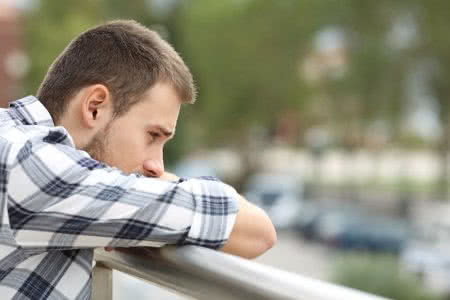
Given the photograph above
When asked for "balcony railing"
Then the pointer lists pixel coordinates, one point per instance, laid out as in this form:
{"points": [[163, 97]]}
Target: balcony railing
{"points": [[202, 273]]}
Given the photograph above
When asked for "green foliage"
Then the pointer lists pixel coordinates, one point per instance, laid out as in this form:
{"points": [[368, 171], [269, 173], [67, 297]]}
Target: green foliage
{"points": [[247, 58], [49, 29], [379, 274], [244, 57]]}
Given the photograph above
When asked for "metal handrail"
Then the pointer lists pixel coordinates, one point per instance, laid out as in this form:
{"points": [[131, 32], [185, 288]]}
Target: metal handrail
{"points": [[206, 274]]}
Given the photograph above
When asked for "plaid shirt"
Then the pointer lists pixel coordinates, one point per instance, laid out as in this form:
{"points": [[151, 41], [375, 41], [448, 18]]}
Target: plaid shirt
{"points": [[58, 204]]}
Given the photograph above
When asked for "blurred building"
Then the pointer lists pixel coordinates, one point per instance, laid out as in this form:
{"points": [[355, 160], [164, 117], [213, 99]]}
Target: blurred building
{"points": [[13, 62]]}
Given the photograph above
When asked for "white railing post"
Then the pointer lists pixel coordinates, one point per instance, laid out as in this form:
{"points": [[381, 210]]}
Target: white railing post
{"points": [[102, 283]]}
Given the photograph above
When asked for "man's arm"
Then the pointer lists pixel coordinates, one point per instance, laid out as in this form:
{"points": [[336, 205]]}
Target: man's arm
{"points": [[253, 232]]}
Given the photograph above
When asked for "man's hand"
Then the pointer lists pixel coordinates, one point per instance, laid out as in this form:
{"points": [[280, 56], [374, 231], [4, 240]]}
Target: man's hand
{"points": [[169, 177]]}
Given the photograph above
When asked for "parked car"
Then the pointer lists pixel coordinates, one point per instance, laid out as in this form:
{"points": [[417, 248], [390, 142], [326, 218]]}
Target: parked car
{"points": [[308, 219], [373, 234], [279, 194], [350, 229]]}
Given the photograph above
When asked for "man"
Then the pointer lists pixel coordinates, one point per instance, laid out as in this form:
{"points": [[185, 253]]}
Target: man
{"points": [[82, 168]]}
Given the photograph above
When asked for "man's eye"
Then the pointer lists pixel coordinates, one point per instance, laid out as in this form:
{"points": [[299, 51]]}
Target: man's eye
{"points": [[154, 135]]}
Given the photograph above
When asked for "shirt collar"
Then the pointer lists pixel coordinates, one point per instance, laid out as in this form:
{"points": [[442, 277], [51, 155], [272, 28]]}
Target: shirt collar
{"points": [[32, 111]]}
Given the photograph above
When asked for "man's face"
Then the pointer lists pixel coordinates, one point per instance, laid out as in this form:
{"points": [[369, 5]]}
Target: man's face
{"points": [[134, 142]]}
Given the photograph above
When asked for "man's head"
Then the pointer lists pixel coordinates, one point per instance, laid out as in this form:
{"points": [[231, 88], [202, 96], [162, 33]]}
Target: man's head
{"points": [[118, 88]]}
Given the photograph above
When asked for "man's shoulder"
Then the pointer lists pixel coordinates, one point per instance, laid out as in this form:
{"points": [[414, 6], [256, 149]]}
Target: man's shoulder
{"points": [[20, 134], [15, 139]]}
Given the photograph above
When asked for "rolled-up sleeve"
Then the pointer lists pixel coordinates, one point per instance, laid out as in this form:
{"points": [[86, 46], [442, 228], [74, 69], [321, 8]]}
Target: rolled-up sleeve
{"points": [[60, 198], [214, 214]]}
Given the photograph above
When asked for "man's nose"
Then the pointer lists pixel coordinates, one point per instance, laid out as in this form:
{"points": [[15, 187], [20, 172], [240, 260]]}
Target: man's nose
{"points": [[154, 167]]}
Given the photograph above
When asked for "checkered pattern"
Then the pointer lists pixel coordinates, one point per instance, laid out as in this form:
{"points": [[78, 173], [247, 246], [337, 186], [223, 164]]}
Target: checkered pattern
{"points": [[57, 204]]}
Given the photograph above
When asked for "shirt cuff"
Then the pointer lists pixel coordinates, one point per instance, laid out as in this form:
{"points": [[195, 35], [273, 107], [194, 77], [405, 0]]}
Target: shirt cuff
{"points": [[214, 216]]}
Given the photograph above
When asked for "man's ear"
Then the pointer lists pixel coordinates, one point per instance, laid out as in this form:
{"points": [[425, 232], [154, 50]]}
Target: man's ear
{"points": [[96, 105]]}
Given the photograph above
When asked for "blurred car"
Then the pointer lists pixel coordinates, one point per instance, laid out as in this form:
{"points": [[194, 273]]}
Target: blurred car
{"points": [[373, 234], [350, 229], [308, 219], [279, 194], [316, 223]]}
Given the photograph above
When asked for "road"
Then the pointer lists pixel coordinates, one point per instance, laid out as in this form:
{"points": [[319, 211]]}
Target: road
{"points": [[294, 254]]}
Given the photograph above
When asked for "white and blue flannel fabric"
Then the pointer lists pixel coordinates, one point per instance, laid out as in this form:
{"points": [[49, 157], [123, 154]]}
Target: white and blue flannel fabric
{"points": [[58, 204]]}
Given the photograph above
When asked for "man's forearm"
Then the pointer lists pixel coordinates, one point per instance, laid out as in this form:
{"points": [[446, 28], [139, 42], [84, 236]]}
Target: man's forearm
{"points": [[253, 232]]}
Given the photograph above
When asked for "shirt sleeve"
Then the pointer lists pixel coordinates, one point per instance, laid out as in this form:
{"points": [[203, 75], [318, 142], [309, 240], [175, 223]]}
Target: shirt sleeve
{"points": [[61, 198]]}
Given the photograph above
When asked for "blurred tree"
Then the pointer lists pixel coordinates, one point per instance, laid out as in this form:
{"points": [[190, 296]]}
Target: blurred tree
{"points": [[435, 44], [244, 56], [247, 56], [50, 27]]}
